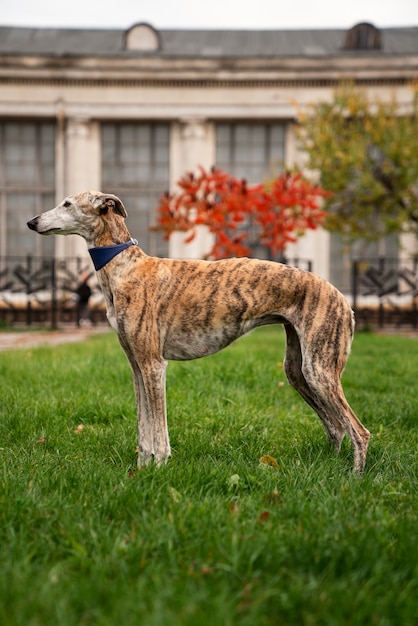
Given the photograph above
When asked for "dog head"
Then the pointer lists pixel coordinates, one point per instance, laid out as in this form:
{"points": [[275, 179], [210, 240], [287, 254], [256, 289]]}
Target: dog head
{"points": [[84, 214]]}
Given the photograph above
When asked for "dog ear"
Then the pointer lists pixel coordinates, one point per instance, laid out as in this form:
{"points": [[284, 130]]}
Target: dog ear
{"points": [[115, 204], [108, 202]]}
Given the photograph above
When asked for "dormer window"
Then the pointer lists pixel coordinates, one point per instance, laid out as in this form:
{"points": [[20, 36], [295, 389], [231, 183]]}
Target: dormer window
{"points": [[142, 37], [363, 36]]}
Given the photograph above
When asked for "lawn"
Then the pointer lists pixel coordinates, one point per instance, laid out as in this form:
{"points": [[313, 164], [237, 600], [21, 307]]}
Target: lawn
{"points": [[215, 537]]}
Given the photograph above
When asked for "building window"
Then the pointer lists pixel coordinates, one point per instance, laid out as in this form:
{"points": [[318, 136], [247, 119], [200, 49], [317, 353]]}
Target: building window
{"points": [[254, 152], [135, 167], [363, 36], [142, 37], [251, 151], [27, 185]]}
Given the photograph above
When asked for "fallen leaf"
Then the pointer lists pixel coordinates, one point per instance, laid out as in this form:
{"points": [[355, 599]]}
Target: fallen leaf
{"points": [[269, 460], [263, 516], [234, 508]]}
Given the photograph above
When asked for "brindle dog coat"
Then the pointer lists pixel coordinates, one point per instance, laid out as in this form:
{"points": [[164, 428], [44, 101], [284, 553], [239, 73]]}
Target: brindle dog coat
{"points": [[170, 309]]}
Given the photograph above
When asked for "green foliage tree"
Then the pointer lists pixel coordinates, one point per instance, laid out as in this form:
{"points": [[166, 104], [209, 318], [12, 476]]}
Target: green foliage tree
{"points": [[366, 154]]}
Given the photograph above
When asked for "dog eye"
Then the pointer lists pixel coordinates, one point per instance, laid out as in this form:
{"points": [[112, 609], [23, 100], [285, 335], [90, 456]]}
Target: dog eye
{"points": [[67, 203]]}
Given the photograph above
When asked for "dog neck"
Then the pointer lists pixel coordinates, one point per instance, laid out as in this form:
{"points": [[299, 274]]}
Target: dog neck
{"points": [[103, 254], [112, 232], [111, 241]]}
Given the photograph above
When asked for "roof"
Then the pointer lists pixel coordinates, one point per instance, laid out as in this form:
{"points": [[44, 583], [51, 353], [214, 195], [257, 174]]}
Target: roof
{"points": [[199, 43]]}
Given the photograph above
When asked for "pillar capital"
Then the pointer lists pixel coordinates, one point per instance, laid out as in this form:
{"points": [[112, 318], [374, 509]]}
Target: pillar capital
{"points": [[193, 127]]}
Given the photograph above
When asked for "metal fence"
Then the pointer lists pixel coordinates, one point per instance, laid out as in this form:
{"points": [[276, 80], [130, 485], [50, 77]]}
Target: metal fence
{"points": [[385, 292], [43, 291]]}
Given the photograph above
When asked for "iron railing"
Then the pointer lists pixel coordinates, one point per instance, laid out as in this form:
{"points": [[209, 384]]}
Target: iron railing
{"points": [[385, 292], [42, 290]]}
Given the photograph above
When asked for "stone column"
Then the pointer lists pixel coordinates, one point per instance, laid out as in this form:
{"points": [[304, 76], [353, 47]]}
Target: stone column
{"points": [[193, 144], [81, 169], [408, 246]]}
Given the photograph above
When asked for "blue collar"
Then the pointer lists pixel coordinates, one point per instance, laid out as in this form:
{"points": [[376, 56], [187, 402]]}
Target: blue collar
{"points": [[102, 255]]}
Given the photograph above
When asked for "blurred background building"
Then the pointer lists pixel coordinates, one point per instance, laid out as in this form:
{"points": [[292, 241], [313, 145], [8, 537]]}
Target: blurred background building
{"points": [[129, 112]]}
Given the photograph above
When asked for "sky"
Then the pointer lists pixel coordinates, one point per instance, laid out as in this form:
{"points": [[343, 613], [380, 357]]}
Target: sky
{"points": [[207, 14]]}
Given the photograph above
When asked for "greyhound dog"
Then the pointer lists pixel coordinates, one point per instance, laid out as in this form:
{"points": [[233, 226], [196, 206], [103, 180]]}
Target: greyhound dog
{"points": [[172, 309]]}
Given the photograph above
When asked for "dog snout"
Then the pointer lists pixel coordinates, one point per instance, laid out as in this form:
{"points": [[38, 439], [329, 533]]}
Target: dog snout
{"points": [[33, 223]]}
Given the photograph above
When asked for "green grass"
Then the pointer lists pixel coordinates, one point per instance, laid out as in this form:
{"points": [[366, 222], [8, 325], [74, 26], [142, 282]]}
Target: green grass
{"points": [[214, 537]]}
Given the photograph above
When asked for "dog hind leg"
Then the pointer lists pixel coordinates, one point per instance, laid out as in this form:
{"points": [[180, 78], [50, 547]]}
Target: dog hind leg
{"points": [[293, 369], [327, 386], [321, 370]]}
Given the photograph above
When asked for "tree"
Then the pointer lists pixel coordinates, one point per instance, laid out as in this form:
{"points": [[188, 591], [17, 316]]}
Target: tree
{"points": [[278, 212], [366, 155]]}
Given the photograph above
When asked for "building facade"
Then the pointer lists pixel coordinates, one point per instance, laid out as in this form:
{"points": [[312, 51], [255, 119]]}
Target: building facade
{"points": [[128, 112]]}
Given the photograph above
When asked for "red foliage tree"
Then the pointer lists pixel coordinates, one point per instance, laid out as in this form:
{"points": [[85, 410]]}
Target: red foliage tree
{"points": [[280, 211]]}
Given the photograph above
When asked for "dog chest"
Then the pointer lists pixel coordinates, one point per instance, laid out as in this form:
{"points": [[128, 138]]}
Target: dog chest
{"points": [[187, 344]]}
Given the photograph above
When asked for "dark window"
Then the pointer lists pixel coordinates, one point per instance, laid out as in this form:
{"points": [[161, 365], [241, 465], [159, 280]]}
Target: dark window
{"points": [[27, 185], [135, 167], [255, 152], [251, 151], [363, 36]]}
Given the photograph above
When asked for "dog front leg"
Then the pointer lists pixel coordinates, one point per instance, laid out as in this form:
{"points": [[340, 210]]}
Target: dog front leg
{"points": [[153, 413], [144, 420]]}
